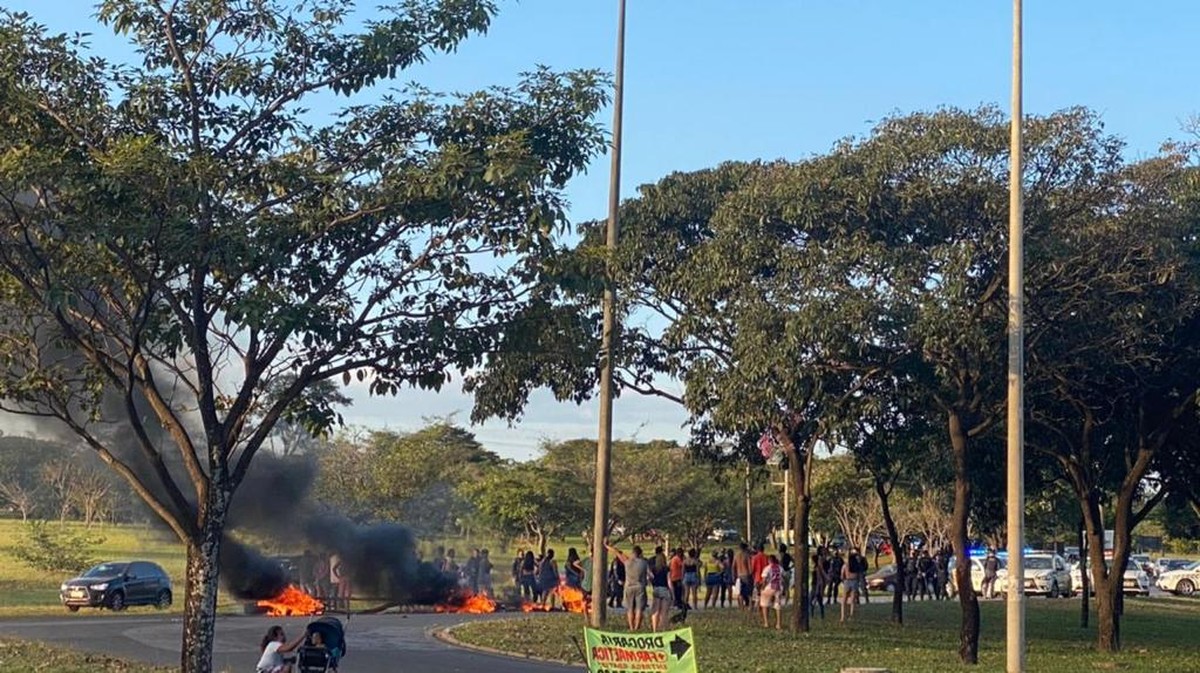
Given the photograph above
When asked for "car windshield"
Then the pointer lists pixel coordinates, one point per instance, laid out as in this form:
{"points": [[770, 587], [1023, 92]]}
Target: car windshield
{"points": [[1133, 566], [106, 570], [1194, 565], [1038, 563]]}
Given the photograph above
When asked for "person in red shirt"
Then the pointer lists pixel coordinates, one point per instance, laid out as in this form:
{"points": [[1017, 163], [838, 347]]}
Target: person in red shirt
{"points": [[675, 574], [758, 563]]}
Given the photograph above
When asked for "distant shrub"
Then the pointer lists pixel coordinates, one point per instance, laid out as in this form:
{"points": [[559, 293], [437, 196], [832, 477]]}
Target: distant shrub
{"points": [[55, 548]]}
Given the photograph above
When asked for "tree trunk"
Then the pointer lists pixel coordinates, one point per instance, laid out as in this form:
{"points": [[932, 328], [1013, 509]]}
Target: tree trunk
{"points": [[1084, 579], [897, 553], [200, 602], [968, 648], [800, 472]]}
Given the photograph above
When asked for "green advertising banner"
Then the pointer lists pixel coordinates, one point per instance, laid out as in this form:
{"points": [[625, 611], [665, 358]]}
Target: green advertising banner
{"points": [[671, 651]]}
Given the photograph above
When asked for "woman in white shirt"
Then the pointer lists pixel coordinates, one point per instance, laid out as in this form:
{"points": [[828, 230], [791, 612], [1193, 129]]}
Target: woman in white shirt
{"points": [[274, 646]]}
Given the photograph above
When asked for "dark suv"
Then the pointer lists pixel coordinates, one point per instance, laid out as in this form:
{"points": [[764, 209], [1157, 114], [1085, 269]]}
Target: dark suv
{"points": [[118, 585]]}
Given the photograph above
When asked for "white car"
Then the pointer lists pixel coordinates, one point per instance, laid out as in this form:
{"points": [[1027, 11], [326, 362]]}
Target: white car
{"points": [[1046, 575], [1135, 580], [1183, 582], [977, 575]]}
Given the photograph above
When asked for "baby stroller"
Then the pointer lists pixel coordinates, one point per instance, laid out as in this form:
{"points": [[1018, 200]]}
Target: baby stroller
{"points": [[311, 658]]}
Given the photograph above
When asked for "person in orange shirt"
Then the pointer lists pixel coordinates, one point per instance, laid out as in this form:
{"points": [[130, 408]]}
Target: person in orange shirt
{"points": [[676, 576], [759, 563]]}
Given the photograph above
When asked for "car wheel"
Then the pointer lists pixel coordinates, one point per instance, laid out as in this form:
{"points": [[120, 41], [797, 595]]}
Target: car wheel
{"points": [[73, 608], [164, 600], [116, 602], [1185, 588]]}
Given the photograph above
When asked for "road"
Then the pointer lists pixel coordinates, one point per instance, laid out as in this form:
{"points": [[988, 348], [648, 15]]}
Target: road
{"points": [[375, 643]]}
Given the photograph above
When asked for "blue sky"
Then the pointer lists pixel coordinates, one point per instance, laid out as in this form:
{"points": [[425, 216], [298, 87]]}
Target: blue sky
{"points": [[710, 81]]}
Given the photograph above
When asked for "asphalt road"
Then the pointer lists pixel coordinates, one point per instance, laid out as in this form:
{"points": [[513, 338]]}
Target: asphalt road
{"points": [[375, 643]]}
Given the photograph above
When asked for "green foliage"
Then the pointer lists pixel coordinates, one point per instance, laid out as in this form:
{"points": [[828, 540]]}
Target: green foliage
{"points": [[55, 549], [408, 477]]}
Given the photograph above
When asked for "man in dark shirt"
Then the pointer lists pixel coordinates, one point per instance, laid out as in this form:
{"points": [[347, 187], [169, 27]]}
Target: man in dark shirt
{"points": [[785, 563]]}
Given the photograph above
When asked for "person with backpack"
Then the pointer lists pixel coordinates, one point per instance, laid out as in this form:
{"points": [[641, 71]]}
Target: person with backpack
{"points": [[770, 595]]}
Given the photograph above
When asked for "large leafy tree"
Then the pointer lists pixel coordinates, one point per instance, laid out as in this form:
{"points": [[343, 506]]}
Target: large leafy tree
{"points": [[187, 228], [530, 499], [1114, 360]]}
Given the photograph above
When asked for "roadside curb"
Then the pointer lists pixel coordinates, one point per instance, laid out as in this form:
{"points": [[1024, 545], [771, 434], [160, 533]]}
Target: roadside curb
{"points": [[445, 634]]}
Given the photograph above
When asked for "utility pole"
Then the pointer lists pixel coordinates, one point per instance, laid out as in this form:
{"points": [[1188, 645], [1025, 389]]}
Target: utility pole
{"points": [[604, 441], [1015, 613], [749, 534]]}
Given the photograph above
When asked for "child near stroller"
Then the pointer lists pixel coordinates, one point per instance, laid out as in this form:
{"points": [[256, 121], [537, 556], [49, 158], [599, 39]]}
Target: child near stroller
{"points": [[323, 648]]}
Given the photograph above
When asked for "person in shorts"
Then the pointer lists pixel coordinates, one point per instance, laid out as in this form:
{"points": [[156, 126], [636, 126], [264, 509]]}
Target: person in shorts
{"points": [[662, 592], [852, 582], [770, 595], [637, 571]]}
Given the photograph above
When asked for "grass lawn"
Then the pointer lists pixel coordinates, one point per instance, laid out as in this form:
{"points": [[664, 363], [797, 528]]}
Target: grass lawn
{"points": [[21, 655], [1159, 635]]}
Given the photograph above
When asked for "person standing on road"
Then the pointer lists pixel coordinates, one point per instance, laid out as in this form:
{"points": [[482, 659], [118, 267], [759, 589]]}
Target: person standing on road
{"points": [[529, 590], [547, 579], [910, 576], [928, 575], [942, 576], [573, 570], [637, 574], [484, 577], [991, 570], [470, 573], [714, 580], [339, 578]]}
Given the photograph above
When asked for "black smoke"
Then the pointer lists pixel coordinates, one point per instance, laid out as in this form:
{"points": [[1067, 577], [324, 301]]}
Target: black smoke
{"points": [[275, 502]]}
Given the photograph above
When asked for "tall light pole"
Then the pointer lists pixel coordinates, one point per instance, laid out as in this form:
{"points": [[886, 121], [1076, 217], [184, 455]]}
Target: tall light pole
{"points": [[604, 442], [1015, 614]]}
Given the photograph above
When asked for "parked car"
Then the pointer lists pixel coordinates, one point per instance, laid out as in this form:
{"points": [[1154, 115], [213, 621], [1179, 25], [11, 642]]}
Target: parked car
{"points": [[1047, 575], [977, 574], [1165, 565], [1181, 581], [1135, 580], [883, 579], [118, 585]]}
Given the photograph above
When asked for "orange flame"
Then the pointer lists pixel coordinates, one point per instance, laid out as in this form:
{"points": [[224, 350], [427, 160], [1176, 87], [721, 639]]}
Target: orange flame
{"points": [[476, 604], [534, 607], [291, 602], [573, 600]]}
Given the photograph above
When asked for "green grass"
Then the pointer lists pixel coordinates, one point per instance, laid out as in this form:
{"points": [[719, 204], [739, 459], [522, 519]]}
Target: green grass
{"points": [[1158, 636], [22, 655]]}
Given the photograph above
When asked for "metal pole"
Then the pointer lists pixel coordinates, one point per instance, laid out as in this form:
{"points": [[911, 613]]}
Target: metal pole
{"points": [[749, 534], [604, 442], [1015, 613]]}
